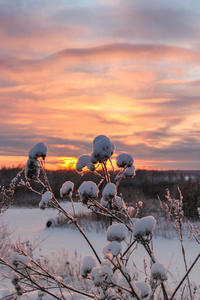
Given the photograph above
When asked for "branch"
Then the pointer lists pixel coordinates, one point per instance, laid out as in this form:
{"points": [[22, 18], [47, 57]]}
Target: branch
{"points": [[185, 276]]}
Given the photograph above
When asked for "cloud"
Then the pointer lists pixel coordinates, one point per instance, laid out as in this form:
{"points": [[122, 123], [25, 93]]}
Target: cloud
{"points": [[73, 70]]}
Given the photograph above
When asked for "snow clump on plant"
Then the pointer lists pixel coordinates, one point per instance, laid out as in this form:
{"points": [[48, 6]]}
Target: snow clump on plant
{"points": [[88, 190], [67, 189], [46, 197], [99, 274], [109, 191], [88, 264], [117, 232], [14, 278], [113, 247], [120, 203], [129, 171], [39, 150], [20, 260], [158, 273], [143, 228], [124, 160], [32, 170], [103, 149], [143, 287], [84, 161]]}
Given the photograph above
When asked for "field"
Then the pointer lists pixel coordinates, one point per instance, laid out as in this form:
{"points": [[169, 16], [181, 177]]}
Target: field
{"points": [[25, 224]]}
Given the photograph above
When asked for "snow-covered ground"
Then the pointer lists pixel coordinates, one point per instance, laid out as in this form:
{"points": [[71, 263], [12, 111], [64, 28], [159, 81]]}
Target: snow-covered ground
{"points": [[30, 224]]}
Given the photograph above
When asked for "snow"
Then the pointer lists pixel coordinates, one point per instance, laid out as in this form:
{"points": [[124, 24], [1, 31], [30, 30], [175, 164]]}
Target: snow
{"points": [[103, 202], [14, 278], [98, 274], [67, 189], [120, 202], [116, 232], [39, 150], [46, 197], [109, 191], [83, 161], [124, 159], [20, 260], [129, 171], [29, 224], [143, 287], [88, 190], [144, 226], [32, 169], [158, 272], [113, 247], [103, 149], [89, 263]]}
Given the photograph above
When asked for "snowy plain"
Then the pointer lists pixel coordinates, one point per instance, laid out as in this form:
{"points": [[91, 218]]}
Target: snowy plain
{"points": [[30, 224]]}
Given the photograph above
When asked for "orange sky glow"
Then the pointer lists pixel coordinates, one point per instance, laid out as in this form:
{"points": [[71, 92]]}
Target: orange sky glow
{"points": [[73, 70]]}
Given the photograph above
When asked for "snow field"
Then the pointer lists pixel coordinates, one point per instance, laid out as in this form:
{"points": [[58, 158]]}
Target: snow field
{"points": [[29, 224]]}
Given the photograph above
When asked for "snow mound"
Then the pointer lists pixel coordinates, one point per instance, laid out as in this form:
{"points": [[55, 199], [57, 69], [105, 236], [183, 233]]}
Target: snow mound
{"points": [[39, 150], [46, 197], [116, 232], [88, 264], [103, 149], [88, 190], [124, 159], [109, 191], [144, 227], [67, 189]]}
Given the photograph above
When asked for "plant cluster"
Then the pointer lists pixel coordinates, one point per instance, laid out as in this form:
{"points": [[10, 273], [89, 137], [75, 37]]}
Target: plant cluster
{"points": [[112, 277]]}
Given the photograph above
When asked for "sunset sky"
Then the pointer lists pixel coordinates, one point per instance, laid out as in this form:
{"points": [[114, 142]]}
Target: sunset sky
{"points": [[129, 69]]}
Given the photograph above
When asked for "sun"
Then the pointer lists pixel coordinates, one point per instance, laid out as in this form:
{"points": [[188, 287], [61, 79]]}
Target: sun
{"points": [[67, 163]]}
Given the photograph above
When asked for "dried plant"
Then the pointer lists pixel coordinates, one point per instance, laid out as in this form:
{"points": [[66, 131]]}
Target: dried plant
{"points": [[110, 277]]}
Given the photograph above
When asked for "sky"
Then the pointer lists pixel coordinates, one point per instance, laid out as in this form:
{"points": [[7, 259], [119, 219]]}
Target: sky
{"points": [[127, 69]]}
